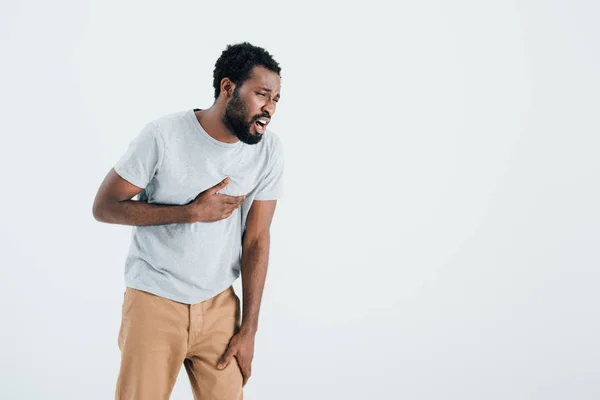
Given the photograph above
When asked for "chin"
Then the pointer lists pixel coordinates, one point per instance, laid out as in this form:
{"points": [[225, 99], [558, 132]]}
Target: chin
{"points": [[252, 138]]}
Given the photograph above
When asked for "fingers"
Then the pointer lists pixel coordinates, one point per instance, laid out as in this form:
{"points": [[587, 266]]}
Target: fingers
{"points": [[246, 372], [231, 203], [227, 198], [227, 214], [225, 358], [220, 185], [232, 199]]}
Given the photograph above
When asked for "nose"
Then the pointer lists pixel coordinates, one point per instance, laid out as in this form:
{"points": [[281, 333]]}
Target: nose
{"points": [[269, 108]]}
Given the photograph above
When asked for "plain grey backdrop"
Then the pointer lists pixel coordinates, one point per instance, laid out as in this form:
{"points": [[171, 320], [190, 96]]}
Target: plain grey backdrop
{"points": [[438, 238]]}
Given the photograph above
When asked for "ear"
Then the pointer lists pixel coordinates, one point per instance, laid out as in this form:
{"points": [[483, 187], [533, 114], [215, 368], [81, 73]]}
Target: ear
{"points": [[227, 87]]}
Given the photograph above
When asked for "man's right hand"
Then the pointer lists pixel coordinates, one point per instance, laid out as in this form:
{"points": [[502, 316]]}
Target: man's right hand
{"points": [[210, 206]]}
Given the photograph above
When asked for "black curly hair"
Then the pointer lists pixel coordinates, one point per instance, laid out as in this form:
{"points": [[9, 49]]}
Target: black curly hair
{"points": [[236, 63]]}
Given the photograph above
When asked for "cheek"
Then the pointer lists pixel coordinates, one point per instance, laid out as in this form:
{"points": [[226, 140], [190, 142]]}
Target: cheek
{"points": [[255, 108]]}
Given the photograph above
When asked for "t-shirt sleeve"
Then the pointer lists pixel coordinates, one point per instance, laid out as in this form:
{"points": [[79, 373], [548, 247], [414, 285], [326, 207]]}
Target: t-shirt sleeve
{"points": [[143, 157], [271, 187]]}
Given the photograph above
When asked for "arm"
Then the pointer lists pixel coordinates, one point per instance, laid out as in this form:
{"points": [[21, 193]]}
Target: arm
{"points": [[255, 258], [113, 205]]}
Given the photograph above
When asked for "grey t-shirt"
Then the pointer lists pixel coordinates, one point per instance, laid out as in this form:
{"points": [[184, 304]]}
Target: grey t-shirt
{"points": [[174, 159]]}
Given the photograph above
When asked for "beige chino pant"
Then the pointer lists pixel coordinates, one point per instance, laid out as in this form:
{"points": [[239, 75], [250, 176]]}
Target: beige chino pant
{"points": [[158, 335]]}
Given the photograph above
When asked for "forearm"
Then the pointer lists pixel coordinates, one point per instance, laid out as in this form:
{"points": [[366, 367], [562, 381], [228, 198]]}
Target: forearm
{"points": [[139, 213], [255, 259]]}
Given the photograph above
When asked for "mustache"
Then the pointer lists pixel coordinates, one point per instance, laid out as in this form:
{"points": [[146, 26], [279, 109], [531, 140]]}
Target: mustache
{"points": [[257, 117]]}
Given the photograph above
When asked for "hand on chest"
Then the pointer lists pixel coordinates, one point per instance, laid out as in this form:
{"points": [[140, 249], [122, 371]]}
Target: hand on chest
{"points": [[181, 185], [188, 170]]}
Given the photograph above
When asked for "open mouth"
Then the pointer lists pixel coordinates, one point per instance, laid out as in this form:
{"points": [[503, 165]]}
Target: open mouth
{"points": [[260, 126]]}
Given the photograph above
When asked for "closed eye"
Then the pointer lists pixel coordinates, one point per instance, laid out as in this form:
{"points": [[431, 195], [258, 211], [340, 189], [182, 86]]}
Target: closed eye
{"points": [[264, 94]]}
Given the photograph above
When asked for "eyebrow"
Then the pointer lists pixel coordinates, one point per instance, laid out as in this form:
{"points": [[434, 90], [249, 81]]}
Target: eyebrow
{"points": [[269, 90]]}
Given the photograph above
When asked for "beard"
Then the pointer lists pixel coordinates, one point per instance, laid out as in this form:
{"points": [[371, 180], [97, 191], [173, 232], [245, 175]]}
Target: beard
{"points": [[236, 119]]}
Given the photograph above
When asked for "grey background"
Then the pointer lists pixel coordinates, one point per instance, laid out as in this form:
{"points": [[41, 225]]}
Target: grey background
{"points": [[439, 234]]}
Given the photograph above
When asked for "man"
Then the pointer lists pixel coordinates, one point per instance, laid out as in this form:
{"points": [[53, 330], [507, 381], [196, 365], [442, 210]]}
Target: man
{"points": [[208, 181]]}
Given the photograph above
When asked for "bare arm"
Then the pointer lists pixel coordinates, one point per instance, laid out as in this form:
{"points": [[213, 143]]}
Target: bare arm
{"points": [[113, 205], [255, 258]]}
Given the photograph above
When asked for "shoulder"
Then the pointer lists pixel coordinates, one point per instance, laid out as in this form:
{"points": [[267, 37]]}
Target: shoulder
{"points": [[165, 124], [171, 119]]}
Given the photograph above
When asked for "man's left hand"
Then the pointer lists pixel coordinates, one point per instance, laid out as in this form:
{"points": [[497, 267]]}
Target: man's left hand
{"points": [[241, 346]]}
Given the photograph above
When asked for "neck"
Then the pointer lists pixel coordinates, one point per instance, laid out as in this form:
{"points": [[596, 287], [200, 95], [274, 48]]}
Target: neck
{"points": [[211, 121]]}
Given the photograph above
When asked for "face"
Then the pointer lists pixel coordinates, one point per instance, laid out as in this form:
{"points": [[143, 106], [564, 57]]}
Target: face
{"points": [[252, 105]]}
